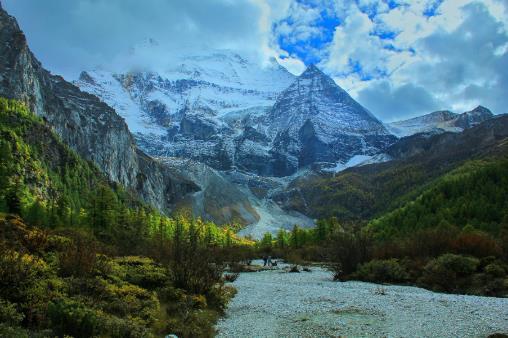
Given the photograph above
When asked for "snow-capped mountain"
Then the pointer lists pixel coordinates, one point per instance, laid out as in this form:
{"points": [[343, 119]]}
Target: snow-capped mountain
{"points": [[314, 120], [440, 121], [230, 112], [257, 127], [473, 118], [195, 108]]}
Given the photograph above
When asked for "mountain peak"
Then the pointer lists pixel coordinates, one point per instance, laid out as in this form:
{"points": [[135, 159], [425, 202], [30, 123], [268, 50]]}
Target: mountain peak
{"points": [[312, 71], [441, 115], [481, 110]]}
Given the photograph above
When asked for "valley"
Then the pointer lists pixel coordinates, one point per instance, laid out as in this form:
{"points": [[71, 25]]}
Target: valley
{"points": [[269, 139], [137, 199]]}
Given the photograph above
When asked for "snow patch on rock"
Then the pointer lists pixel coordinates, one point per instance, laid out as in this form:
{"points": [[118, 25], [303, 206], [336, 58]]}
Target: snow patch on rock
{"points": [[358, 161]]}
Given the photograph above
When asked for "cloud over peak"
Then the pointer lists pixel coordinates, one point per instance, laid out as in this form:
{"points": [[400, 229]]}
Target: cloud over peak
{"points": [[399, 58]]}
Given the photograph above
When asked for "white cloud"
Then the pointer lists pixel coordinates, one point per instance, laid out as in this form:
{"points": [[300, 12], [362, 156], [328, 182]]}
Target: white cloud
{"points": [[298, 24], [69, 36], [353, 43], [454, 59]]}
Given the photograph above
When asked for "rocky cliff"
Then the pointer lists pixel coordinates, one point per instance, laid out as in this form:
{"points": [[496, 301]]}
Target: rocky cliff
{"points": [[86, 124]]}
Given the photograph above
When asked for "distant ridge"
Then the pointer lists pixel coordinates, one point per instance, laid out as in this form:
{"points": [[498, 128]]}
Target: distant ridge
{"points": [[440, 121]]}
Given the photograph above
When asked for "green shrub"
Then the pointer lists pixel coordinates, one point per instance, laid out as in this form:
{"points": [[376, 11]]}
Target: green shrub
{"points": [[11, 331], [171, 294], [195, 271], [24, 281], [123, 299], [78, 259], [461, 265], [219, 296], [123, 327], [495, 287], [495, 270], [382, 271], [449, 272], [9, 314], [69, 317], [143, 272]]}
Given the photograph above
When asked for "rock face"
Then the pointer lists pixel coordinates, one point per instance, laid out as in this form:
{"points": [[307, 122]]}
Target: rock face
{"points": [[218, 200], [440, 121], [86, 124], [472, 118]]}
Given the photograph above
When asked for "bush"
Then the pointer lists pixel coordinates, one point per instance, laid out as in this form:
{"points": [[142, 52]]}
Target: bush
{"points": [[477, 244], [17, 235], [349, 249], [143, 272], [219, 296], [10, 331], [126, 300], [9, 314], [79, 257], [195, 270], [194, 315], [24, 281], [69, 317], [495, 287], [382, 271], [449, 272], [495, 270]]}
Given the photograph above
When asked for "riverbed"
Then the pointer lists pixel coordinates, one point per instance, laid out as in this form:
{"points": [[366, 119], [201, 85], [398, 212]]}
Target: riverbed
{"points": [[277, 303]]}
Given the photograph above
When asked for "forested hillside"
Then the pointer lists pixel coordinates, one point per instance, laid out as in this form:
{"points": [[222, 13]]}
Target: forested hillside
{"points": [[67, 240], [449, 235], [474, 195], [361, 193]]}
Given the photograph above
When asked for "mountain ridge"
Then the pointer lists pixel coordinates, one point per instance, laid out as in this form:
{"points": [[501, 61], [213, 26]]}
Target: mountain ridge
{"points": [[440, 121], [362, 192]]}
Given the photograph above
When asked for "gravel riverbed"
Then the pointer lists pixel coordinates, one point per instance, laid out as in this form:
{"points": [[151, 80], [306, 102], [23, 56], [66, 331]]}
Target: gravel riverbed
{"points": [[277, 303]]}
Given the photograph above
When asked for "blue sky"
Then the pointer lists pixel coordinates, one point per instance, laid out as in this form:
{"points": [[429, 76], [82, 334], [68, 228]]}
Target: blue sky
{"points": [[399, 58]]}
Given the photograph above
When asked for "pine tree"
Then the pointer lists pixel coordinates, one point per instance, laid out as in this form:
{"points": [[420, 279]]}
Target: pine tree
{"points": [[103, 207], [281, 239], [178, 238], [209, 236], [13, 198], [266, 242], [321, 231], [36, 214], [229, 238], [193, 235], [295, 237]]}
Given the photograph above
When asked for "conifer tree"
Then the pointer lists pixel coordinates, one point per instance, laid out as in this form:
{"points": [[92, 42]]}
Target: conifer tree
{"points": [[281, 239]]}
